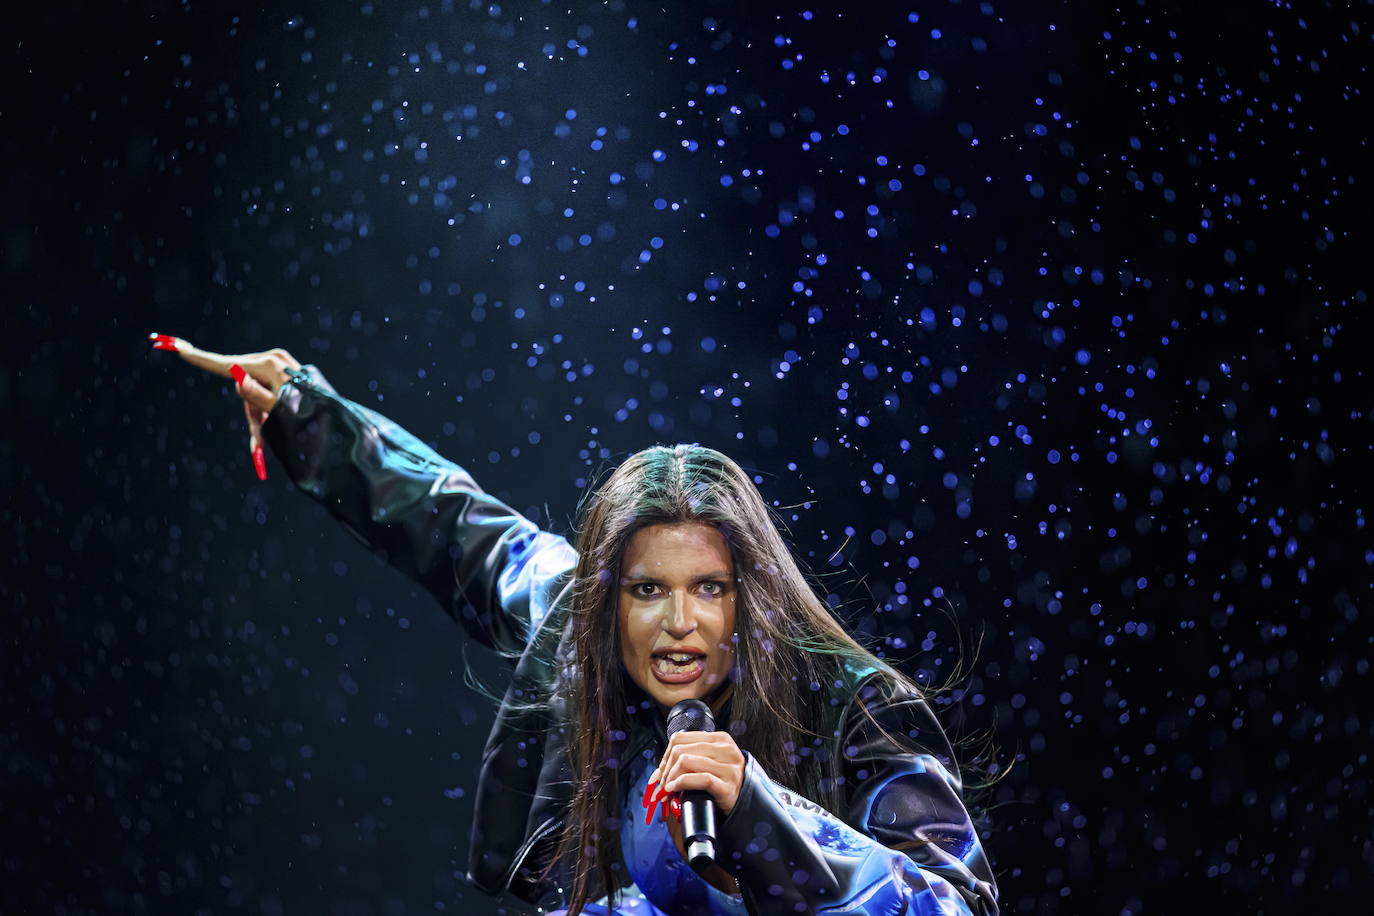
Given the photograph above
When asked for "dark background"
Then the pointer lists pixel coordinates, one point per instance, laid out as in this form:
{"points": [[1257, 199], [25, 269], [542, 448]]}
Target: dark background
{"points": [[1043, 324]]}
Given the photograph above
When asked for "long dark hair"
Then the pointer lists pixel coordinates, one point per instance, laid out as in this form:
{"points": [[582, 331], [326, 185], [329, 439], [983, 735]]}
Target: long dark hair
{"points": [[788, 651]]}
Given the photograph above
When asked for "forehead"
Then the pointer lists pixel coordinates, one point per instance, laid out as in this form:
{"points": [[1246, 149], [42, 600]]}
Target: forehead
{"points": [[687, 547]]}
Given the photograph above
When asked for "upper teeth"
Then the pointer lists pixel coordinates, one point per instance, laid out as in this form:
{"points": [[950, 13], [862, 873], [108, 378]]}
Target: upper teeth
{"points": [[679, 656]]}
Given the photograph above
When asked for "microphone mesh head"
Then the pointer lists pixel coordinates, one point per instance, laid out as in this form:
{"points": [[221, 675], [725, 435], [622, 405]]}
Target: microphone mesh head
{"points": [[690, 716]]}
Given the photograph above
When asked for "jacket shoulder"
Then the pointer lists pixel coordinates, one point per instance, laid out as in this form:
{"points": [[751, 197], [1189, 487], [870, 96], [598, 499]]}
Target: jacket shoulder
{"points": [[888, 715]]}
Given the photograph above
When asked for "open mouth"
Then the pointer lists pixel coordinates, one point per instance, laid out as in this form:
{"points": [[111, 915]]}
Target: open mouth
{"points": [[678, 667]]}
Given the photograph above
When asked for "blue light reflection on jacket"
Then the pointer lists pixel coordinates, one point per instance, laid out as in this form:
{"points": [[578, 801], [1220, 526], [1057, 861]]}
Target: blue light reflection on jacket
{"points": [[665, 885]]}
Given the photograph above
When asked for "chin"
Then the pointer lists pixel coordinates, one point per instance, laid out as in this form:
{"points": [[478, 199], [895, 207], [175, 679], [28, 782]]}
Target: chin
{"points": [[668, 694]]}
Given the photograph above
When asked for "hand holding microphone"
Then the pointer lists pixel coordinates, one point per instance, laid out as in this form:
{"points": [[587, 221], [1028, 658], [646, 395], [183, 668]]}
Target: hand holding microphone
{"points": [[703, 765]]}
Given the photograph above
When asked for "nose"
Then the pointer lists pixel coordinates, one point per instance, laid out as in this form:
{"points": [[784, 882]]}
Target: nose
{"points": [[681, 614]]}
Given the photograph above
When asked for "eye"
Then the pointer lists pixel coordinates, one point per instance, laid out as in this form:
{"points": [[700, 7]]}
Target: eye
{"points": [[643, 589], [714, 589]]}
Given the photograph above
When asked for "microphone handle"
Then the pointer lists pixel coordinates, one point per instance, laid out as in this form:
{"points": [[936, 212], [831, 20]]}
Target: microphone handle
{"points": [[699, 829]]}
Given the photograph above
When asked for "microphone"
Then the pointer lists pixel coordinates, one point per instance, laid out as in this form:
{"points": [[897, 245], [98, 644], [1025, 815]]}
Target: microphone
{"points": [[698, 809]]}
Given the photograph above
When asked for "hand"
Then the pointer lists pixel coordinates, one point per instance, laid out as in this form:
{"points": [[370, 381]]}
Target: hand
{"points": [[710, 761], [257, 377]]}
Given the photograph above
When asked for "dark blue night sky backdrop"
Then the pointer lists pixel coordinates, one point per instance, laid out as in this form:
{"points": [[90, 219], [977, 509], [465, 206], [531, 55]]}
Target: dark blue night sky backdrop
{"points": [[1043, 324]]}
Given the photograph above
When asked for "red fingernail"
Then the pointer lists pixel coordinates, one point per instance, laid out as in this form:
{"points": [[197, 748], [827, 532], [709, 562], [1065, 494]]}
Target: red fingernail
{"points": [[648, 791], [676, 806], [649, 818], [237, 372], [163, 342], [260, 463]]}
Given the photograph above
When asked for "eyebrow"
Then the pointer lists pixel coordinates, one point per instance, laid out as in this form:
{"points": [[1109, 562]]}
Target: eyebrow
{"points": [[716, 574]]}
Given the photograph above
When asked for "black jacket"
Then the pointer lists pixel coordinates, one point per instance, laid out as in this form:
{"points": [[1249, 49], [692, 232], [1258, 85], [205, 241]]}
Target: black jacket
{"points": [[902, 841]]}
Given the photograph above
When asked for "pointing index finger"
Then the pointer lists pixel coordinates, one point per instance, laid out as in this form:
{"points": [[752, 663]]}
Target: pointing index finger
{"points": [[218, 363]]}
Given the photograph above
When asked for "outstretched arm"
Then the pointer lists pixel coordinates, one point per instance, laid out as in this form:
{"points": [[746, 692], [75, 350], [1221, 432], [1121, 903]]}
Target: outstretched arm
{"points": [[490, 567]]}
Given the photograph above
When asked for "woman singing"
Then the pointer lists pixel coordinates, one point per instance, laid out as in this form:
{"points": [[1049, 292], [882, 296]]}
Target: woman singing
{"points": [[834, 786]]}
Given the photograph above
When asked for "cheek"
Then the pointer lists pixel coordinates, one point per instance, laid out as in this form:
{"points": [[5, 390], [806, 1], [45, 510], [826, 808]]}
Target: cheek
{"points": [[631, 635], [726, 623]]}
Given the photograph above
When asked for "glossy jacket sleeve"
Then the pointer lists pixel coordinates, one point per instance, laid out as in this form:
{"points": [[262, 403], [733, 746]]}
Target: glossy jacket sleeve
{"points": [[490, 567], [905, 846]]}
